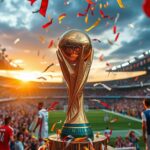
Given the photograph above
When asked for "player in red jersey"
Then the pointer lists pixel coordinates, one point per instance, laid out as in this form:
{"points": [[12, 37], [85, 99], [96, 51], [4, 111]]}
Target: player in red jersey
{"points": [[6, 134]]}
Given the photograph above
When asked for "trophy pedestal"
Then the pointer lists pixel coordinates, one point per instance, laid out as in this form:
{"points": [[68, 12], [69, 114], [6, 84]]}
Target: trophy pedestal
{"points": [[56, 143], [77, 130]]}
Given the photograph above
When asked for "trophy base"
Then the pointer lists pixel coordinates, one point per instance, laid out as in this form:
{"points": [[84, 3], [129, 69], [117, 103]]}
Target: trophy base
{"points": [[99, 143], [77, 130]]}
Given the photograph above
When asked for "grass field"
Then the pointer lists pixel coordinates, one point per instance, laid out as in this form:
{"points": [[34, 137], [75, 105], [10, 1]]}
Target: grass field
{"points": [[96, 119]]}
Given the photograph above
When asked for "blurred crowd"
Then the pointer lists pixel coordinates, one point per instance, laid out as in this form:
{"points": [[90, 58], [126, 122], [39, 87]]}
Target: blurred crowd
{"points": [[128, 107], [131, 140], [22, 115]]}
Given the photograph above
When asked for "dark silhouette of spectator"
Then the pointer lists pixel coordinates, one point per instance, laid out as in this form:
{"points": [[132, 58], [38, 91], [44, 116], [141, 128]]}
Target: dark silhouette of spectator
{"points": [[146, 123]]}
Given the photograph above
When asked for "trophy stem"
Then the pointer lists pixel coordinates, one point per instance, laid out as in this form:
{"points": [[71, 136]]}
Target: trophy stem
{"points": [[76, 123]]}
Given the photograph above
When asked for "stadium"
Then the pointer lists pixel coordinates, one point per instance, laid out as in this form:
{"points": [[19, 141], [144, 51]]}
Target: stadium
{"points": [[74, 75], [124, 98]]}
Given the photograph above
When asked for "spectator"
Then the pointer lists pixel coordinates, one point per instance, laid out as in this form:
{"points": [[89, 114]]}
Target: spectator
{"points": [[19, 143], [127, 143], [6, 134], [146, 123], [134, 139], [119, 142]]}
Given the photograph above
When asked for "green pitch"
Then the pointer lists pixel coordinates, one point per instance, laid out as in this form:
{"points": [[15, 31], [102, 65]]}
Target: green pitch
{"points": [[96, 119]]}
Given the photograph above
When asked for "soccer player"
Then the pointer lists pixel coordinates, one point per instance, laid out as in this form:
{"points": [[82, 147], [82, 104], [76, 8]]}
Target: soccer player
{"points": [[146, 123], [6, 134], [42, 122]]}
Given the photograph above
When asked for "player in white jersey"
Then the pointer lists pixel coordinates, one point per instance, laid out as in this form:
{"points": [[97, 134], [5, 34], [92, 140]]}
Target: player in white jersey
{"points": [[42, 122]]}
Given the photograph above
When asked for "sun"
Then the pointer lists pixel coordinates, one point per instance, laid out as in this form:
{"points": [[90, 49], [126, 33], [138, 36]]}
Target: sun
{"points": [[27, 76]]}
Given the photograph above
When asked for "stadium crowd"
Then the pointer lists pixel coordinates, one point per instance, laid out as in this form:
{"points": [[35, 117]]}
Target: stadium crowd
{"points": [[23, 113], [21, 117], [132, 108], [131, 140]]}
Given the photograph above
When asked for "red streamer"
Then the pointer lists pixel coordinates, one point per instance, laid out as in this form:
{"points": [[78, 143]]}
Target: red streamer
{"points": [[86, 11], [90, 2], [53, 105], [114, 29], [105, 104], [43, 7], [51, 44], [117, 36], [47, 24], [101, 13], [32, 1], [81, 15]]}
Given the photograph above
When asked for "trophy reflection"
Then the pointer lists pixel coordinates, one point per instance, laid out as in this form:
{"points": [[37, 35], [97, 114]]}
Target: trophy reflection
{"points": [[75, 56]]}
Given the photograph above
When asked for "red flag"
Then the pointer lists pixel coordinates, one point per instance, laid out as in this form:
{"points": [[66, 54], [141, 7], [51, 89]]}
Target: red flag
{"points": [[43, 7], [146, 7], [47, 24]]}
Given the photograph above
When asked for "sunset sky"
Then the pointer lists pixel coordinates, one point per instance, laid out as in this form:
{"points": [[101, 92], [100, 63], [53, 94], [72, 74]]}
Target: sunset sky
{"points": [[18, 21]]}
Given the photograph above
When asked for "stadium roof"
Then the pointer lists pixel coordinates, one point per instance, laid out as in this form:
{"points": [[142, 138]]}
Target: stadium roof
{"points": [[6, 64], [140, 63]]}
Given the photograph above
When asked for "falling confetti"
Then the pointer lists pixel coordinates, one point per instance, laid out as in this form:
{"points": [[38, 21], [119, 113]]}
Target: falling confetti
{"points": [[86, 19], [52, 106], [32, 1], [106, 5], [117, 17], [120, 3], [42, 78], [94, 25], [16, 41], [81, 139], [110, 42], [90, 2], [42, 39], [100, 6], [101, 57], [102, 103], [43, 7], [52, 64], [114, 120], [117, 36], [47, 24], [61, 17], [114, 29], [97, 40], [51, 44], [85, 11]]}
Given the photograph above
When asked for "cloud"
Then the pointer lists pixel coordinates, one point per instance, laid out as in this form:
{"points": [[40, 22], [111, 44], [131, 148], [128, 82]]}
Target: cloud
{"points": [[18, 21]]}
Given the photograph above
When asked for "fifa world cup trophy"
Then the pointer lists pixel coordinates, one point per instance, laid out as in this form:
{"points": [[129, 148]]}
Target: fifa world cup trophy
{"points": [[75, 56]]}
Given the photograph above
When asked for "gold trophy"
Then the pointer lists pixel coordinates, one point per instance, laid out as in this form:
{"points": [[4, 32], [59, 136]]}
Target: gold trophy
{"points": [[75, 56]]}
